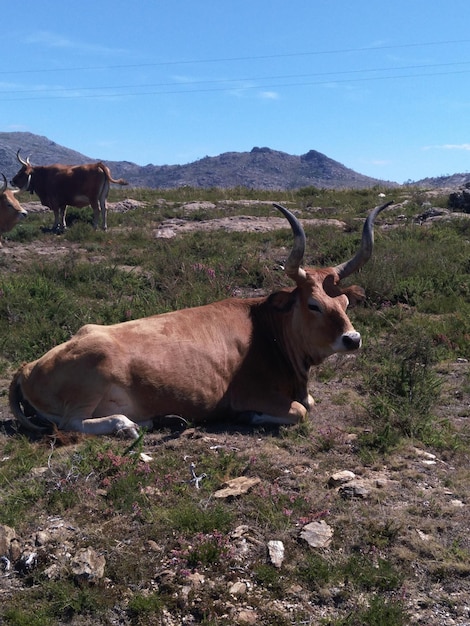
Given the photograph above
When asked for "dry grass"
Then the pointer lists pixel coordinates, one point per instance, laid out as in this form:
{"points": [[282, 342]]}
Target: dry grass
{"points": [[176, 554]]}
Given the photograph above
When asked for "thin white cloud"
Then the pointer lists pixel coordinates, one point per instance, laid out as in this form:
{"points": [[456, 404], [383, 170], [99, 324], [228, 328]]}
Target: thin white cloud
{"points": [[269, 95], [462, 146], [54, 40], [49, 39], [449, 146]]}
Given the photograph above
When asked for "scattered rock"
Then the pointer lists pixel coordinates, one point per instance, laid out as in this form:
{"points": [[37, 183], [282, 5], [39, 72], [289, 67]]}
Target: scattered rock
{"points": [[196, 579], [247, 616], [240, 531], [42, 538], [7, 535], [460, 200], [189, 207], [53, 572], [426, 455], [354, 489], [339, 478], [238, 589], [237, 223], [317, 534], [423, 536], [125, 205], [236, 487], [276, 552], [38, 471], [431, 213], [88, 564], [153, 546]]}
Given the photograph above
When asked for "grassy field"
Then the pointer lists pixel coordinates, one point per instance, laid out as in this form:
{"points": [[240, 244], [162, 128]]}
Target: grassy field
{"points": [[396, 415]]}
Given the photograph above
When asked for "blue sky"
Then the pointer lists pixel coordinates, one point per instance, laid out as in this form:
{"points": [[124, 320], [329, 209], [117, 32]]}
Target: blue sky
{"points": [[383, 87]]}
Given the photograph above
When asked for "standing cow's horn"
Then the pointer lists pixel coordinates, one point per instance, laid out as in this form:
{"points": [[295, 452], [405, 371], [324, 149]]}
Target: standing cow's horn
{"points": [[4, 186], [22, 161], [367, 244], [295, 258]]}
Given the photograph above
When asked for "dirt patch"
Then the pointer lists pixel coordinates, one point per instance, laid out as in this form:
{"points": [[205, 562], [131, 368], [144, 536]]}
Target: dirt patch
{"points": [[239, 223]]}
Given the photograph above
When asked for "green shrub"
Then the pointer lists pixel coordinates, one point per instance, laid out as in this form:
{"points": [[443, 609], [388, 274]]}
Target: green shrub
{"points": [[142, 608], [380, 612], [188, 517]]}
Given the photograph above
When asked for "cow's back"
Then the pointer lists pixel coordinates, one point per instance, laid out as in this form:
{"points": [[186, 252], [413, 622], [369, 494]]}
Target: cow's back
{"points": [[189, 361]]}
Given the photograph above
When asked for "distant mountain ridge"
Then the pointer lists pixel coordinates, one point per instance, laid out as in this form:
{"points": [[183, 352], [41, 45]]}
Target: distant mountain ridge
{"points": [[261, 168]]}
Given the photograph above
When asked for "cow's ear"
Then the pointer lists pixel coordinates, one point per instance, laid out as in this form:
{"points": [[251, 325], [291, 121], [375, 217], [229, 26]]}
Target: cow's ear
{"points": [[356, 295], [283, 300]]}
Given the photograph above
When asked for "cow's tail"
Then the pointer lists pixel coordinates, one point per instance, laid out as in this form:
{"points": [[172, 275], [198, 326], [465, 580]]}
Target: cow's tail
{"points": [[19, 406], [107, 172]]}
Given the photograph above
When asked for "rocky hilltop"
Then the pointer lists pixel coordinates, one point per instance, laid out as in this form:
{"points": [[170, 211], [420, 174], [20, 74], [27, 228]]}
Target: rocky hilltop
{"points": [[260, 168]]}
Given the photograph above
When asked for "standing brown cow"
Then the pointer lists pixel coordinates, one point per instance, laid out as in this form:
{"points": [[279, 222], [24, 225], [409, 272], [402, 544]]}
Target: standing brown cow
{"points": [[11, 211], [59, 186]]}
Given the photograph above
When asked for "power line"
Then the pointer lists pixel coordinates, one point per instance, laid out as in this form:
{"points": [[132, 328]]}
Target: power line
{"points": [[232, 59], [244, 87], [245, 79]]}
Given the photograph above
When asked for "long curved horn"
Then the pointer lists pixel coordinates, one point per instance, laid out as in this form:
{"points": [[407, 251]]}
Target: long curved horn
{"points": [[367, 244], [295, 258], [4, 186], [22, 161]]}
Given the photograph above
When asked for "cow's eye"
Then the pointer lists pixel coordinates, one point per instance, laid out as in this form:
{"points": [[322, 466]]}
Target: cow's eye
{"points": [[313, 306]]}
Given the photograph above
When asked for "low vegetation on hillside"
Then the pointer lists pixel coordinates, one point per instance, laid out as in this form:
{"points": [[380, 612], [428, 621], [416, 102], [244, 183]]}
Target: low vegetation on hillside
{"points": [[357, 517]]}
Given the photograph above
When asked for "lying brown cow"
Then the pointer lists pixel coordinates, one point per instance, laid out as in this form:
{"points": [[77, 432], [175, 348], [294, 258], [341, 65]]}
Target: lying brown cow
{"points": [[11, 211], [59, 186], [249, 357]]}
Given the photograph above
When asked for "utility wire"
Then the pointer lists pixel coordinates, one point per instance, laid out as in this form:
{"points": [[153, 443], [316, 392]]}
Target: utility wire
{"points": [[330, 81], [225, 81], [232, 59]]}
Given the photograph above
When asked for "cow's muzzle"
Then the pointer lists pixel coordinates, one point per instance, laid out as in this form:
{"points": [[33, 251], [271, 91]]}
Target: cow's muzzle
{"points": [[350, 341]]}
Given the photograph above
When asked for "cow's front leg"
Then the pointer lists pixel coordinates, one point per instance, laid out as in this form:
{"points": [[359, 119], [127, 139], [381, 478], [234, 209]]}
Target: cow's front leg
{"points": [[55, 228], [109, 425], [59, 219], [294, 414], [309, 402]]}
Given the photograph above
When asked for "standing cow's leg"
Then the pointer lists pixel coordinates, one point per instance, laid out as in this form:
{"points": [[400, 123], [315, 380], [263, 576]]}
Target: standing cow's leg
{"points": [[96, 214], [55, 208], [104, 209], [104, 215], [63, 212], [59, 218]]}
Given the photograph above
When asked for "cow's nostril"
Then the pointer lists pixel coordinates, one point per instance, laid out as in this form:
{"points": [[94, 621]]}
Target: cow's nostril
{"points": [[352, 341]]}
